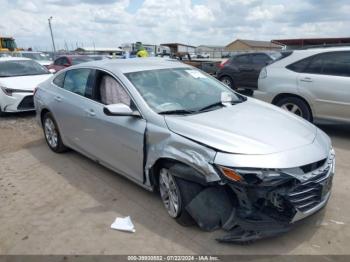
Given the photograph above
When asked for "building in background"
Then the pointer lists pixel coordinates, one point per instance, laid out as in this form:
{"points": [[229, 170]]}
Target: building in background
{"points": [[251, 45], [311, 42]]}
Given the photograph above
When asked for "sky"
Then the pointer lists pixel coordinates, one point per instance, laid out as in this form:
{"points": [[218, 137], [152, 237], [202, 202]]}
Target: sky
{"points": [[110, 23]]}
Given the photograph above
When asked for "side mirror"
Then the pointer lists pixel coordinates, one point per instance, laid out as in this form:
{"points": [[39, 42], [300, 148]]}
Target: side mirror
{"points": [[120, 110], [66, 65], [52, 71]]}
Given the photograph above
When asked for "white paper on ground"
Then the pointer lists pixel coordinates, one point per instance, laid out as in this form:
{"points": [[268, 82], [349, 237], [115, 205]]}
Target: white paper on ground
{"points": [[123, 224]]}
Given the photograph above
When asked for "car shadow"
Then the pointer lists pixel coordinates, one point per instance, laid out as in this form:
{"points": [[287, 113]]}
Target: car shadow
{"points": [[18, 115], [114, 193]]}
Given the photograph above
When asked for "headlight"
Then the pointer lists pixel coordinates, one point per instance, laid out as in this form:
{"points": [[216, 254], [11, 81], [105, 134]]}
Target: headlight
{"points": [[250, 176], [10, 91], [263, 73]]}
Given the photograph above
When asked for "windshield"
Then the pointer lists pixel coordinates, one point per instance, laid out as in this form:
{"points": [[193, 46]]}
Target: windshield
{"points": [[180, 90], [21, 68], [79, 60], [36, 56]]}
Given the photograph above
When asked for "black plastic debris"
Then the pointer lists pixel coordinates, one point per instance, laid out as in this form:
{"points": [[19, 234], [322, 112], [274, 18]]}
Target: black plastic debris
{"points": [[211, 208]]}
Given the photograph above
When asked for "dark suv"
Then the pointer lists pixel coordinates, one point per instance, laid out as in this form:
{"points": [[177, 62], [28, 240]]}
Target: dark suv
{"points": [[241, 71]]}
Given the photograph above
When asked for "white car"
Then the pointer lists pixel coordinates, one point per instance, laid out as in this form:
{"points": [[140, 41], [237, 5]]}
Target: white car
{"points": [[39, 57], [18, 79], [312, 83]]}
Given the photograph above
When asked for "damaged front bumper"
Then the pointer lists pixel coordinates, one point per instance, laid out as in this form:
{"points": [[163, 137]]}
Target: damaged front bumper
{"points": [[259, 205]]}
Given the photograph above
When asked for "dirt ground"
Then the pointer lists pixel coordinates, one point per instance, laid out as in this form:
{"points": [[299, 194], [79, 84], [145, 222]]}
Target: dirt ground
{"points": [[65, 203]]}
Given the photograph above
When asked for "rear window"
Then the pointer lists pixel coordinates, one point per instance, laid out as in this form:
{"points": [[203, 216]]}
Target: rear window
{"points": [[58, 80], [300, 65]]}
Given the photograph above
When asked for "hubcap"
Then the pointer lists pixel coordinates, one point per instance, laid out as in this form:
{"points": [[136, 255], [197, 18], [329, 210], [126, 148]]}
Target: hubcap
{"points": [[50, 132], [226, 81], [293, 108], [169, 193]]}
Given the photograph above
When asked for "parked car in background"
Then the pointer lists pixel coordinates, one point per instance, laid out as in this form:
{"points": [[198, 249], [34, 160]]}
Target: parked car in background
{"points": [[241, 71], [69, 60], [18, 79], [313, 83], [219, 159], [203, 55], [39, 57]]}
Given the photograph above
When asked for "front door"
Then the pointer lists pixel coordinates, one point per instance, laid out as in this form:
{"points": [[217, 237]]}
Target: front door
{"points": [[116, 141]]}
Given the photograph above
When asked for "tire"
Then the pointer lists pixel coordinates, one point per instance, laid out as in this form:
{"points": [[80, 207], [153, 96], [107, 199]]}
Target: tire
{"points": [[1, 112], [52, 134], [228, 81], [183, 191], [296, 106]]}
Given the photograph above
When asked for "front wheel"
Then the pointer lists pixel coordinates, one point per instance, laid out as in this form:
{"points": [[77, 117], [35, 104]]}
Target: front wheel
{"points": [[52, 134], [176, 193], [296, 106], [228, 81]]}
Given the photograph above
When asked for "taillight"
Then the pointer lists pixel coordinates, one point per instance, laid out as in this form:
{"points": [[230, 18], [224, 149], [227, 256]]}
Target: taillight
{"points": [[223, 63]]}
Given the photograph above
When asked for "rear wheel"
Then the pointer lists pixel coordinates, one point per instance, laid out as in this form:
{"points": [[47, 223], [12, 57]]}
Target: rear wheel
{"points": [[176, 193], [228, 81], [52, 134], [296, 106]]}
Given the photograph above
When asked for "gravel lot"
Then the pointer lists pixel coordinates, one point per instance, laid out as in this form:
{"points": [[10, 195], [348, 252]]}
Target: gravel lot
{"points": [[65, 204]]}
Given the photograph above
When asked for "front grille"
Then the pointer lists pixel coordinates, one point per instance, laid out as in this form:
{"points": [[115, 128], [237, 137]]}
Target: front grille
{"points": [[308, 194], [26, 104]]}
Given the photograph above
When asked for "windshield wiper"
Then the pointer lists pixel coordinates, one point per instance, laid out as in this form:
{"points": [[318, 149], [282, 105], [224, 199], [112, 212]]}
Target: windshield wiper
{"points": [[219, 104], [176, 112], [211, 106]]}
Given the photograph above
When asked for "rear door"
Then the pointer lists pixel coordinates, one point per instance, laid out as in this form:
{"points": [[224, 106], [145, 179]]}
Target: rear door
{"points": [[244, 65], [69, 107], [326, 80]]}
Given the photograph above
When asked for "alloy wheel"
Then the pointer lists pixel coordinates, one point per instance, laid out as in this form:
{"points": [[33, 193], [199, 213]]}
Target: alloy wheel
{"points": [[293, 108], [226, 81], [169, 193], [51, 133]]}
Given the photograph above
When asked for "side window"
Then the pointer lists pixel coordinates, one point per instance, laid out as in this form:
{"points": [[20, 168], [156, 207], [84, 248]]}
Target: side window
{"points": [[300, 65], [261, 59], [315, 65], [58, 80], [110, 91], [242, 59], [65, 61], [337, 64], [58, 61], [79, 82]]}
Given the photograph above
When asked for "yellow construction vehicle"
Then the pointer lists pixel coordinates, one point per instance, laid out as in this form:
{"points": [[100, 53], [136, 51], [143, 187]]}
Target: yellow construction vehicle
{"points": [[8, 44]]}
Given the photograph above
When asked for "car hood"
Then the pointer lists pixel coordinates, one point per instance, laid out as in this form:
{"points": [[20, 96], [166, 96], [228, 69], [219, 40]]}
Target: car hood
{"points": [[251, 127], [23, 82]]}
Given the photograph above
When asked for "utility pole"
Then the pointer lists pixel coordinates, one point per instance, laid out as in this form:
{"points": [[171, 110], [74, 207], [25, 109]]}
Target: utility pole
{"points": [[53, 41]]}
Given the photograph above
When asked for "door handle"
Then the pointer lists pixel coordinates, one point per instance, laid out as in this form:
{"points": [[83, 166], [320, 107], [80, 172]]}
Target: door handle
{"points": [[90, 112], [306, 79], [58, 99]]}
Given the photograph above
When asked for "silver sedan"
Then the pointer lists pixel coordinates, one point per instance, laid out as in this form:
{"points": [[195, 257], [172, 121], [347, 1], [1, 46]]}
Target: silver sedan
{"points": [[219, 159]]}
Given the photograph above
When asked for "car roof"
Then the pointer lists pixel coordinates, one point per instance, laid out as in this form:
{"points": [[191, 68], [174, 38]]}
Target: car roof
{"points": [[135, 64], [3, 59], [298, 55]]}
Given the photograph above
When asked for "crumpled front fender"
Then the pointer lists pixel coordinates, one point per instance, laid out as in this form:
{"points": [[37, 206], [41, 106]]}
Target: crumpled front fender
{"points": [[161, 143]]}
